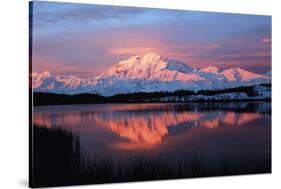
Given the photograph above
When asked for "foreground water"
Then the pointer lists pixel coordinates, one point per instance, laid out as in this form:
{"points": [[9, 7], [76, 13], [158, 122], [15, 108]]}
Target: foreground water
{"points": [[232, 129]]}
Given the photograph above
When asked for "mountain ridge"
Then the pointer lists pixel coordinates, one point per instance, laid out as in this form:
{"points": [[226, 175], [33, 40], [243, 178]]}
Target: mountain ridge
{"points": [[150, 73]]}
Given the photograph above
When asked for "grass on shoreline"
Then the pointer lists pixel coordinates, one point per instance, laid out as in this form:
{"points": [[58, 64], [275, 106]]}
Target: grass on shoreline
{"points": [[58, 161]]}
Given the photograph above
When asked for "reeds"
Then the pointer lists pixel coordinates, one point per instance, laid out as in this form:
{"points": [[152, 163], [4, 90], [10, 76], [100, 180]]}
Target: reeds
{"points": [[59, 161]]}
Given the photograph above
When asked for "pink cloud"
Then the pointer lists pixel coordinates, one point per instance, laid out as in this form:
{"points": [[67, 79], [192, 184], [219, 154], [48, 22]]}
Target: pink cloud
{"points": [[265, 40]]}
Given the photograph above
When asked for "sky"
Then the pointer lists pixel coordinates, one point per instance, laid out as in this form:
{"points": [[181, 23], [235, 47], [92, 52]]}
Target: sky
{"points": [[85, 39]]}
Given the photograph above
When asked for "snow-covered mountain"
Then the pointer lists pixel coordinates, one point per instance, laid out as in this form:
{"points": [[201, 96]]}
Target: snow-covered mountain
{"points": [[150, 73], [268, 73]]}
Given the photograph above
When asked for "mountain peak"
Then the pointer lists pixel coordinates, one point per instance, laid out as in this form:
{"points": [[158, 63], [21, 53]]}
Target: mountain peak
{"points": [[269, 73], [151, 57], [237, 69], [210, 69], [236, 73], [136, 57], [44, 74], [148, 58]]}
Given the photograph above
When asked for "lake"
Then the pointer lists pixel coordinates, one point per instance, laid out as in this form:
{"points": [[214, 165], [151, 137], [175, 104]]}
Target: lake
{"points": [[237, 130]]}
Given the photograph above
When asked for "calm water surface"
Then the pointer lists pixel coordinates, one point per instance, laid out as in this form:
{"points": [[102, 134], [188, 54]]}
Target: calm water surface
{"points": [[235, 129]]}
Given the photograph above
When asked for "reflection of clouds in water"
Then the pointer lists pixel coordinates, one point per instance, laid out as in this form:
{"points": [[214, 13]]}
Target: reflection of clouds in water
{"points": [[143, 127]]}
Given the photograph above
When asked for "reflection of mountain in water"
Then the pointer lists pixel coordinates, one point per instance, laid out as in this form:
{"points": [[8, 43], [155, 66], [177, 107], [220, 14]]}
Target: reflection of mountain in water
{"points": [[145, 127], [148, 126], [152, 128]]}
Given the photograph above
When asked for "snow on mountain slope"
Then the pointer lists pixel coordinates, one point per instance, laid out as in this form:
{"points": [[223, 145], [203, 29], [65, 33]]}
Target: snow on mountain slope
{"points": [[151, 67], [47, 82], [210, 69], [149, 73], [268, 74], [238, 74]]}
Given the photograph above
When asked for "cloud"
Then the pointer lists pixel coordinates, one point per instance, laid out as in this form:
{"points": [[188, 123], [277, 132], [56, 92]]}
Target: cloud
{"points": [[265, 40], [46, 13], [104, 35], [131, 50]]}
